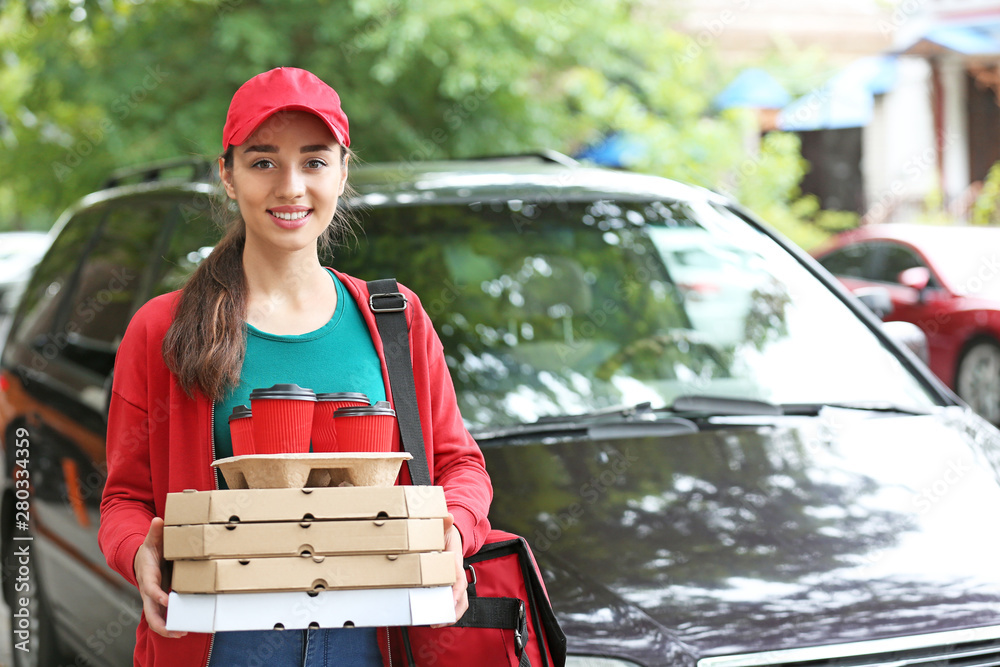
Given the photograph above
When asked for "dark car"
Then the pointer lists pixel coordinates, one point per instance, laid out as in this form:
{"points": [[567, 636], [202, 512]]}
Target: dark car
{"points": [[945, 280], [717, 454]]}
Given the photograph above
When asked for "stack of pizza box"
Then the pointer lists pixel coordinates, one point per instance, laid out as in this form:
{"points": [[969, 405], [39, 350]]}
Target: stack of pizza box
{"points": [[307, 556]]}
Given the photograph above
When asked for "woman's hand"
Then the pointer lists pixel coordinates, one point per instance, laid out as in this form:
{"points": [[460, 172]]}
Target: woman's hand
{"points": [[459, 590], [148, 567]]}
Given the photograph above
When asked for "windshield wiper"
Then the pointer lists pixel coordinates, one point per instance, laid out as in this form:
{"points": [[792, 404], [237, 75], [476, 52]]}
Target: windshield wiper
{"points": [[682, 416], [633, 420], [614, 422], [637, 411], [724, 406], [810, 409]]}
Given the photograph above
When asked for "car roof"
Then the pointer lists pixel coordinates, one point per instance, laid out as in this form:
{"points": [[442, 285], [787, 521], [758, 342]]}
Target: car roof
{"points": [[533, 176], [498, 179], [948, 249], [541, 177], [927, 236], [943, 241]]}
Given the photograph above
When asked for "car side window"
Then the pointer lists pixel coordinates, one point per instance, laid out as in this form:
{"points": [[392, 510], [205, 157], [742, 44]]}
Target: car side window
{"points": [[191, 240], [107, 283], [850, 261], [44, 298], [81, 300], [893, 259]]}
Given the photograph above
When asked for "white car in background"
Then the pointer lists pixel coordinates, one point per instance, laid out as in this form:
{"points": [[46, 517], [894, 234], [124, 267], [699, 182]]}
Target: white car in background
{"points": [[19, 252], [719, 283]]}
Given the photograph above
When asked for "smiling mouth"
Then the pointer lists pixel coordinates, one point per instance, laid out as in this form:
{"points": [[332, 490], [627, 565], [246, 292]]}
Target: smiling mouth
{"points": [[290, 217]]}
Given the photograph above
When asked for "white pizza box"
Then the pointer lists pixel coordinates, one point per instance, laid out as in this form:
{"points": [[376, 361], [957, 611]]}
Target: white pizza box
{"points": [[374, 607]]}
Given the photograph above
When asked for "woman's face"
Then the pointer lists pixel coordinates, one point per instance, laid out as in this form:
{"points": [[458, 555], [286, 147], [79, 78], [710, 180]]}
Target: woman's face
{"points": [[286, 177]]}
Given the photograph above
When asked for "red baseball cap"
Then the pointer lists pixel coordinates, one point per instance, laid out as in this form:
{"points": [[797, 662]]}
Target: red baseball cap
{"points": [[282, 89]]}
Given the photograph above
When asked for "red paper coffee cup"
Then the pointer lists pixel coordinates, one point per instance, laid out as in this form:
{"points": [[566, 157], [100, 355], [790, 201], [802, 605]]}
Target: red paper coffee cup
{"points": [[282, 419], [366, 429], [324, 431], [241, 431]]}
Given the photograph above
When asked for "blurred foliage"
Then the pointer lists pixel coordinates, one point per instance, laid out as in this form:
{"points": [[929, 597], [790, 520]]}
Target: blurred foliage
{"points": [[799, 69], [93, 86], [985, 210], [934, 210]]}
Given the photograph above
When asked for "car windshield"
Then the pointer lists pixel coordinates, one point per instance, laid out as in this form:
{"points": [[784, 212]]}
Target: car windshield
{"points": [[567, 308]]}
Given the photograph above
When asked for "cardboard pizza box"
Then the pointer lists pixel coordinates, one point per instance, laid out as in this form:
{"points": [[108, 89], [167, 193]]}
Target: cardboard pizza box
{"points": [[305, 504], [314, 573], [323, 538], [371, 607]]}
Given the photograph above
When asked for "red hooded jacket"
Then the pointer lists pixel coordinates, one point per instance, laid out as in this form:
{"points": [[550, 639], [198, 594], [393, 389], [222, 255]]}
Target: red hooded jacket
{"points": [[160, 441]]}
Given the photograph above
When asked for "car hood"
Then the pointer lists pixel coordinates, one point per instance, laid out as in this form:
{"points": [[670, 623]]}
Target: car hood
{"points": [[753, 537]]}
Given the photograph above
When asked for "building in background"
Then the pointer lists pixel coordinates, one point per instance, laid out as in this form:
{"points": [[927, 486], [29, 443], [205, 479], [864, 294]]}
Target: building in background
{"points": [[741, 30], [959, 43], [910, 117]]}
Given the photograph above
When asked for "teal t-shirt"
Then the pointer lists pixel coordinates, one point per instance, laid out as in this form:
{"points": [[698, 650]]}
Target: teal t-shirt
{"points": [[339, 356]]}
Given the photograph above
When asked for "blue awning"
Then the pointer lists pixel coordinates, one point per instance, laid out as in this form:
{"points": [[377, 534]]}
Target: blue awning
{"points": [[979, 39], [753, 88], [846, 100], [616, 151]]}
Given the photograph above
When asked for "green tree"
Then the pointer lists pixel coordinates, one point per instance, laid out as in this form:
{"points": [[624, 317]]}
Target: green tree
{"points": [[985, 210], [91, 87]]}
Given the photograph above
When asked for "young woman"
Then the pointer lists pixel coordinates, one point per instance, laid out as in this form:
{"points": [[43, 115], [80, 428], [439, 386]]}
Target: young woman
{"points": [[262, 310]]}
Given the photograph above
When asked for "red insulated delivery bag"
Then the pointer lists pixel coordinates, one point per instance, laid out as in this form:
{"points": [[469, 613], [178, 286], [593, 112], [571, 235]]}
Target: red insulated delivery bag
{"points": [[510, 622]]}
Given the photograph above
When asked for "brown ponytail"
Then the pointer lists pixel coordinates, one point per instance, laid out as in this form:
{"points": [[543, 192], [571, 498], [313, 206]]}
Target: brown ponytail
{"points": [[206, 342]]}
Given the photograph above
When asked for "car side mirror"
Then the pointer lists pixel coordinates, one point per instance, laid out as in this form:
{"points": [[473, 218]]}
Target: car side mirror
{"points": [[877, 299], [916, 277]]}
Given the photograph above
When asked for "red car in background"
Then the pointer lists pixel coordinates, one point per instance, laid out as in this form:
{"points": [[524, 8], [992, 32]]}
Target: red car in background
{"points": [[944, 279]]}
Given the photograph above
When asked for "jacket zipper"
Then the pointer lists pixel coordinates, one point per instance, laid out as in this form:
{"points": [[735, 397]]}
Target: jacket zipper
{"points": [[215, 482], [388, 646], [211, 438], [211, 645]]}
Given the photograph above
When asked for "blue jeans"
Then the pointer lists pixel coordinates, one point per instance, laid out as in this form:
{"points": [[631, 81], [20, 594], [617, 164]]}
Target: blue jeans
{"points": [[353, 647]]}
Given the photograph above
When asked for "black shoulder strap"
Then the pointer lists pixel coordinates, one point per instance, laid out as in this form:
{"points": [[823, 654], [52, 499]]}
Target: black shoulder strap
{"points": [[389, 306]]}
